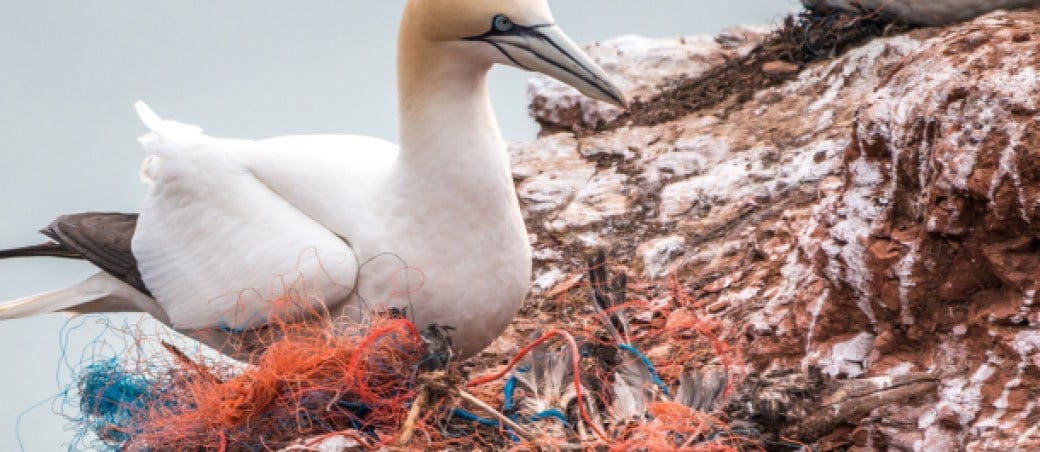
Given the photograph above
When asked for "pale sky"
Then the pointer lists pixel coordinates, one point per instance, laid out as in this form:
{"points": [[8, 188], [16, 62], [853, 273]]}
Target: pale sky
{"points": [[71, 70]]}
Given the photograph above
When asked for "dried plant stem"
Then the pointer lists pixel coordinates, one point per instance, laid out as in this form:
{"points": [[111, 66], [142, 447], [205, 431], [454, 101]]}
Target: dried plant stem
{"points": [[518, 429], [413, 416]]}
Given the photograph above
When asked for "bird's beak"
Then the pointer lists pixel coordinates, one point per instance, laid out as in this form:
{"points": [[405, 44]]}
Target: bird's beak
{"points": [[546, 49]]}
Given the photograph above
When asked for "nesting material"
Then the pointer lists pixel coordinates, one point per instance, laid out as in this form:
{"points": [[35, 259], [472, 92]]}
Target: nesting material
{"points": [[314, 379], [324, 386]]}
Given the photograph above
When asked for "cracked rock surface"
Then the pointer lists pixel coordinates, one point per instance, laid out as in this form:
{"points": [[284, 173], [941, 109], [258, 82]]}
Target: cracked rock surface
{"points": [[876, 216]]}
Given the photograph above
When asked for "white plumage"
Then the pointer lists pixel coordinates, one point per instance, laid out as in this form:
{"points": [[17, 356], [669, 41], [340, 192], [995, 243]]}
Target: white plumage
{"points": [[345, 224], [210, 223], [339, 216]]}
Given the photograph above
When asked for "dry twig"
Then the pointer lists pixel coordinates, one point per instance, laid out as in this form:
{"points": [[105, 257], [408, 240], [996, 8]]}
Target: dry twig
{"points": [[413, 415]]}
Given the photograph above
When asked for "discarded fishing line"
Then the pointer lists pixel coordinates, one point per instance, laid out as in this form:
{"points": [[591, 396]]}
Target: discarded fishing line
{"points": [[590, 381], [315, 378], [598, 389]]}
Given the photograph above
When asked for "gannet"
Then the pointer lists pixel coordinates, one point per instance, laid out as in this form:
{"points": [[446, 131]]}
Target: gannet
{"points": [[924, 12], [348, 224]]}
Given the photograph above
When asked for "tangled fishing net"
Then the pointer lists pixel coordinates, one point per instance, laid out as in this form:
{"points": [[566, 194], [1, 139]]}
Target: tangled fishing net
{"points": [[582, 382], [314, 378]]}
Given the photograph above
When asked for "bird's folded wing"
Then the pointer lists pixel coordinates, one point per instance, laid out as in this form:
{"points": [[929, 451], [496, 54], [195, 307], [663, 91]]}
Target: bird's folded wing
{"points": [[218, 248]]}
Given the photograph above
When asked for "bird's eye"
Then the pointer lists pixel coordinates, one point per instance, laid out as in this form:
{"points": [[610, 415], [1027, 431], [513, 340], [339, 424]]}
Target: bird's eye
{"points": [[502, 23]]}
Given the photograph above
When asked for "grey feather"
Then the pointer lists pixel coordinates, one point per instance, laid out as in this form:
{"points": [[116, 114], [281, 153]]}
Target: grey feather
{"points": [[608, 296]]}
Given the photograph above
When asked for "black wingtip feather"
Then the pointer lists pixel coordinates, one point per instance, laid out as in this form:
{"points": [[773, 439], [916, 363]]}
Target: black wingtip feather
{"points": [[49, 249]]}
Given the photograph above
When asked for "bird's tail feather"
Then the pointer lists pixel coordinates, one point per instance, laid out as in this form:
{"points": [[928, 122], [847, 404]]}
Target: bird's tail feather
{"points": [[92, 295], [46, 303], [49, 249]]}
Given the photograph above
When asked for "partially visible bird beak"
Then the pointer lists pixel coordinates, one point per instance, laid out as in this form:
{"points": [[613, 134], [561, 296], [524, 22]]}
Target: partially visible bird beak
{"points": [[546, 49]]}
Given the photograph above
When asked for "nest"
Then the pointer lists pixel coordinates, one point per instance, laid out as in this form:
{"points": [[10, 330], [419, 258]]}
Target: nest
{"points": [[585, 383]]}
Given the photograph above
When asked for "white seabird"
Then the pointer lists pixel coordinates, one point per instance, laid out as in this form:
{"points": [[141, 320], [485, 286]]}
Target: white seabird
{"points": [[432, 225], [925, 12]]}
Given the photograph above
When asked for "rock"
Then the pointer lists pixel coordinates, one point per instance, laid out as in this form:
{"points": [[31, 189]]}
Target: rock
{"points": [[924, 12], [641, 67], [939, 171], [657, 255], [808, 406], [550, 172], [875, 215], [780, 67], [546, 278], [602, 196], [848, 358]]}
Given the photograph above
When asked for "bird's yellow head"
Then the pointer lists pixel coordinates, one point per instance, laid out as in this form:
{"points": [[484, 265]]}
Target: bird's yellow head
{"points": [[518, 33]]}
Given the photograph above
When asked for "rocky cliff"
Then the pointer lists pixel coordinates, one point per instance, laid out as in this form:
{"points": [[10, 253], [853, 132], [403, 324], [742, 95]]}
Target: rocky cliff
{"points": [[875, 213]]}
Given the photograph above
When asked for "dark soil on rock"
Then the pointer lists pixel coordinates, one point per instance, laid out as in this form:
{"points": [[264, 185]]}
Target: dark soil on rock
{"points": [[803, 39]]}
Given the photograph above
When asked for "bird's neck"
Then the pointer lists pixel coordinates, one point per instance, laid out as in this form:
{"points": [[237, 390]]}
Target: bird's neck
{"points": [[446, 119]]}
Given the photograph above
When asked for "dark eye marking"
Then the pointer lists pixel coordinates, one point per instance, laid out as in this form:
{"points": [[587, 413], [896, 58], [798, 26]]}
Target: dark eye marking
{"points": [[502, 24]]}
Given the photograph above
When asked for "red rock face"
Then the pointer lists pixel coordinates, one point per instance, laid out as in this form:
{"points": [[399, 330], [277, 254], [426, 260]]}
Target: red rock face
{"points": [[878, 215], [944, 157]]}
